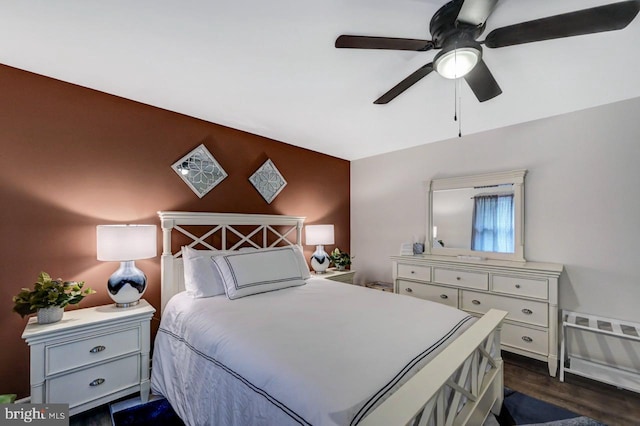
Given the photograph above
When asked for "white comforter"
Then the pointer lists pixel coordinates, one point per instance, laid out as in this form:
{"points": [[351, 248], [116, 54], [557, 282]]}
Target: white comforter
{"points": [[325, 353]]}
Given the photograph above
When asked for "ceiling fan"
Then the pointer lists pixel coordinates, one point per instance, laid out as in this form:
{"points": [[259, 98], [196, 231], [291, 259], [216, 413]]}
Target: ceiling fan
{"points": [[456, 26]]}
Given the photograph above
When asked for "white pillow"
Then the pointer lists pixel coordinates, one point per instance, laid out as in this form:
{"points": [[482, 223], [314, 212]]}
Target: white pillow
{"points": [[259, 271], [201, 278], [302, 262]]}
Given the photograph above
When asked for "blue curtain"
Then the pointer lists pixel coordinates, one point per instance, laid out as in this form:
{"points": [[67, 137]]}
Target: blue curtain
{"points": [[493, 223]]}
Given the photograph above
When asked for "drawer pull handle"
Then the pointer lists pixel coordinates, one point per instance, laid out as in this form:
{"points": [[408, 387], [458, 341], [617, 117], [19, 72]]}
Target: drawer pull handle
{"points": [[527, 339], [444, 296], [97, 382], [475, 302], [517, 285], [458, 278], [409, 290], [97, 349], [413, 272], [527, 311]]}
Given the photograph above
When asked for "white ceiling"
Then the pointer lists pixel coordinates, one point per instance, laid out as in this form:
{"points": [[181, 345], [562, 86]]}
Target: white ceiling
{"points": [[270, 68]]}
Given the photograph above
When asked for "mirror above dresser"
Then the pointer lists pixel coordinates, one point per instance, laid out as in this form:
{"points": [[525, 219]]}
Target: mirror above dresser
{"points": [[480, 216]]}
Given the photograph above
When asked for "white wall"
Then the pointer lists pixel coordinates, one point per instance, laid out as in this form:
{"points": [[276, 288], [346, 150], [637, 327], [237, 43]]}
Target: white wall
{"points": [[582, 200]]}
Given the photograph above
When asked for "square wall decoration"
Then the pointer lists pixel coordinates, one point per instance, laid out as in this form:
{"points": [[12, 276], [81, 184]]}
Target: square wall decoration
{"points": [[200, 170], [268, 181]]}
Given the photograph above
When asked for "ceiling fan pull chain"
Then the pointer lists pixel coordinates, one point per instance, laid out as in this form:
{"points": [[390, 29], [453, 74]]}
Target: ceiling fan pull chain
{"points": [[455, 93], [458, 99], [455, 100], [455, 60], [460, 114], [459, 106]]}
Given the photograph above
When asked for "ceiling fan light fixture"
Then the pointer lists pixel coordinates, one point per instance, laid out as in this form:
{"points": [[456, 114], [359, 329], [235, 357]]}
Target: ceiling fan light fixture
{"points": [[456, 63]]}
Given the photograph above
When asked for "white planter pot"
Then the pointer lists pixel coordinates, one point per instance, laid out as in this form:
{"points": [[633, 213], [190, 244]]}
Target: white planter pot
{"points": [[50, 315]]}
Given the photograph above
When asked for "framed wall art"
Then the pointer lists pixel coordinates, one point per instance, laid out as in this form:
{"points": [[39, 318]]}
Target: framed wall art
{"points": [[200, 170], [268, 181]]}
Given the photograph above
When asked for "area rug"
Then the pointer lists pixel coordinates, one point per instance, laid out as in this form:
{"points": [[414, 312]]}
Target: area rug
{"points": [[520, 409], [157, 412]]}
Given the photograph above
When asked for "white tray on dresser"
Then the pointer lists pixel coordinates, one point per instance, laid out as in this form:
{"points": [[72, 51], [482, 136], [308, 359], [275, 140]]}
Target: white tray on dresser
{"points": [[528, 291]]}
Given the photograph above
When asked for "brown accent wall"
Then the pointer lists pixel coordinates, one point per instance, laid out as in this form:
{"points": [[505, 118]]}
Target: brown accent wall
{"points": [[72, 158]]}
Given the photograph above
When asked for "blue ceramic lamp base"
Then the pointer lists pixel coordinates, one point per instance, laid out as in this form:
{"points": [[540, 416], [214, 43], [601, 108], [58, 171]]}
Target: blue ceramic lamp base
{"points": [[127, 285], [320, 260]]}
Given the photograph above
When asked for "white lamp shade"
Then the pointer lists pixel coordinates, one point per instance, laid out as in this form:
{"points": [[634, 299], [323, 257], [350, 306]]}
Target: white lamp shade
{"points": [[126, 242], [319, 234]]}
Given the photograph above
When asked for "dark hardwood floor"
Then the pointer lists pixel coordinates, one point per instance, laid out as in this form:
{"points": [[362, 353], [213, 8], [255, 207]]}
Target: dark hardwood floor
{"points": [[99, 416], [605, 403]]}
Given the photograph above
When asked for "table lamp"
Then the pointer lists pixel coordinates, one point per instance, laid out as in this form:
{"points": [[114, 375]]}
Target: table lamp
{"points": [[319, 235], [126, 244]]}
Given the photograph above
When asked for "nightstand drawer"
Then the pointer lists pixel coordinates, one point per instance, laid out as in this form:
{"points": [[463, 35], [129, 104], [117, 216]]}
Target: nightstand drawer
{"points": [[83, 352], [527, 287], [525, 338], [95, 382], [340, 276], [414, 272], [445, 295], [527, 311], [477, 280]]}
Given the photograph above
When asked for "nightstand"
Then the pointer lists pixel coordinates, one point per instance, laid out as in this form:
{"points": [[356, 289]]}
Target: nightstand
{"points": [[379, 285], [91, 357], [340, 276]]}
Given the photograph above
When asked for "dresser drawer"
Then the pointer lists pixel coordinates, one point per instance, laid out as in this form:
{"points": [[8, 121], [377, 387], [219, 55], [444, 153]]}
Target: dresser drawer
{"points": [[525, 338], [526, 311], [477, 280], [74, 354], [414, 272], [445, 295], [527, 287], [95, 382]]}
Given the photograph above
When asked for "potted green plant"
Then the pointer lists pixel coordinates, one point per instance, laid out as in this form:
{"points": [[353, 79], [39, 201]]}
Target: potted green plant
{"points": [[49, 297], [340, 259], [8, 398]]}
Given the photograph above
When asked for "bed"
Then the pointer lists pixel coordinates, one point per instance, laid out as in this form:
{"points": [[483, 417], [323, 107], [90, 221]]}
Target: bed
{"points": [[317, 352]]}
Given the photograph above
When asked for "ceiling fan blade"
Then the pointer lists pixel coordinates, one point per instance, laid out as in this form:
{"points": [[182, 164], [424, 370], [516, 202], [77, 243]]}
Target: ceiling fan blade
{"points": [[482, 83], [405, 84], [476, 12], [611, 17], [389, 43]]}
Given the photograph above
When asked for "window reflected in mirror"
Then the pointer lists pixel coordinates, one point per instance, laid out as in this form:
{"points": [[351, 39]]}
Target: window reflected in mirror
{"points": [[492, 222]]}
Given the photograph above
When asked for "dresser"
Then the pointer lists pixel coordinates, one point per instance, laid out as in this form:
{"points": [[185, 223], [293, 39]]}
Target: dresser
{"points": [[91, 357], [528, 291]]}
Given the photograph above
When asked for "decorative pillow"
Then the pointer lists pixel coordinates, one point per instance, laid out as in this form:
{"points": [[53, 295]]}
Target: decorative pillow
{"points": [[259, 271], [201, 278]]}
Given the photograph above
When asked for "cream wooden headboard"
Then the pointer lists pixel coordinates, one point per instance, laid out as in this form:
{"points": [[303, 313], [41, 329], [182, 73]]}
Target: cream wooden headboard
{"points": [[271, 230]]}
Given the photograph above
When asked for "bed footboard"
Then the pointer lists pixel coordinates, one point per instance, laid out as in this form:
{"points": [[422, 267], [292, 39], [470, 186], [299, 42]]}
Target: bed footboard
{"points": [[460, 386]]}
